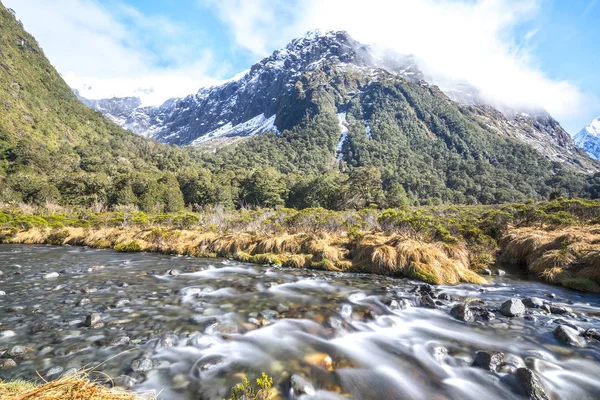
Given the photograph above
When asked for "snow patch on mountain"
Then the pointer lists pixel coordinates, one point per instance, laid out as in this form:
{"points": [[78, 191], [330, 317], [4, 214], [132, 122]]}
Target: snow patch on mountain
{"points": [[256, 125], [589, 139]]}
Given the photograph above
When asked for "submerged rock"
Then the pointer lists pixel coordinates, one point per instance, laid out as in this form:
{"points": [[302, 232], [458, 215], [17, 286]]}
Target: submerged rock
{"points": [[301, 386], [124, 381], [512, 308], [54, 371], [93, 320], [568, 335], [489, 360], [427, 301], [7, 363], [531, 384], [560, 310], [143, 364], [462, 312], [51, 275]]}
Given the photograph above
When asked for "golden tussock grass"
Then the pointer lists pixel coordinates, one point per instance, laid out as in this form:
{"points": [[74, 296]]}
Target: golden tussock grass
{"points": [[377, 253], [568, 256], [75, 387], [430, 262]]}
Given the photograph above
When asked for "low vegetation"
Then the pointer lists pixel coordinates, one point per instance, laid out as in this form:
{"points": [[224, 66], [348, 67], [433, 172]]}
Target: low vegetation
{"points": [[74, 387], [444, 244]]}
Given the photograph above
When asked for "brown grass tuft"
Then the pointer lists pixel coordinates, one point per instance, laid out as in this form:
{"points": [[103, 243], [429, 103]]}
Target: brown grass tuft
{"points": [[74, 387]]}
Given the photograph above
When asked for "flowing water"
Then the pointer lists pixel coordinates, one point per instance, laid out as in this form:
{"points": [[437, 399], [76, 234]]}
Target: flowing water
{"points": [[197, 333]]}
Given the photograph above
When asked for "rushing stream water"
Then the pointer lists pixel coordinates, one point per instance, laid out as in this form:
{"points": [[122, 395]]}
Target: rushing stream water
{"points": [[195, 332]]}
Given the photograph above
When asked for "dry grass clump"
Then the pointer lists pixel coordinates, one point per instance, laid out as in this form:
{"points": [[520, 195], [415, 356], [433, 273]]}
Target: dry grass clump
{"points": [[74, 387], [436, 263], [568, 256]]}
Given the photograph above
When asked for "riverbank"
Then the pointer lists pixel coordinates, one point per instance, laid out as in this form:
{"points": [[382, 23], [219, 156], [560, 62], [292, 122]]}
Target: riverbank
{"points": [[556, 241]]}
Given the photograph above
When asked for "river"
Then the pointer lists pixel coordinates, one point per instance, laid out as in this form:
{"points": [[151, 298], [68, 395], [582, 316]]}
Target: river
{"points": [[191, 328]]}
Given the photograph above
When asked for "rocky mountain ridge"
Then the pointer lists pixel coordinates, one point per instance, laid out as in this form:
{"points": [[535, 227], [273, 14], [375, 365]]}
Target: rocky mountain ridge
{"points": [[266, 99]]}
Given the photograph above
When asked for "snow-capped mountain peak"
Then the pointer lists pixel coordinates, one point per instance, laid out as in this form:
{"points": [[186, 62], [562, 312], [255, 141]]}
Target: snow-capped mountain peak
{"points": [[589, 138]]}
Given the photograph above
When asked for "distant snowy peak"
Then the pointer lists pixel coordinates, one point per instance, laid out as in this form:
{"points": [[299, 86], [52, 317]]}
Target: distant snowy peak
{"points": [[589, 138]]}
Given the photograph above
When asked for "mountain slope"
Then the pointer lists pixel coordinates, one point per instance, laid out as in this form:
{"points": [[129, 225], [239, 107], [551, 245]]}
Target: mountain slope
{"points": [[346, 129], [53, 148], [242, 106], [589, 138]]}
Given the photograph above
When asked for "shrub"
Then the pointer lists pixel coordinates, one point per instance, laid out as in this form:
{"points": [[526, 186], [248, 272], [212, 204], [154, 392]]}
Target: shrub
{"points": [[129, 247]]}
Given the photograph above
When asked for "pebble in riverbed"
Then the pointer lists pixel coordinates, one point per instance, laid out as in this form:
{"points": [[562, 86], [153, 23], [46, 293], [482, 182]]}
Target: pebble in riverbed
{"points": [[301, 386], [7, 363], [512, 308], [93, 320], [143, 364]]}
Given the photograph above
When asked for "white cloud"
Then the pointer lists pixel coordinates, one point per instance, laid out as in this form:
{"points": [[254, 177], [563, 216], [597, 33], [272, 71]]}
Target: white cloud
{"points": [[475, 41], [108, 48]]}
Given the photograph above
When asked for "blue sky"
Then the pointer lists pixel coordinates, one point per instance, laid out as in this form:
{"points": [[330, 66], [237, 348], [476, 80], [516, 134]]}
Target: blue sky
{"points": [[524, 53]]}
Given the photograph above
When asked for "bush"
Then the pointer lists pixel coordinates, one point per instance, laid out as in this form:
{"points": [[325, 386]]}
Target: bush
{"points": [[129, 247]]}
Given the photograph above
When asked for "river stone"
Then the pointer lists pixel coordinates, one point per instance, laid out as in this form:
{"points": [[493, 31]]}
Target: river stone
{"points": [[54, 371], [269, 314], [83, 302], [426, 288], [19, 353], [488, 360], [143, 364], [487, 315], [500, 272], [301, 386], [512, 308], [462, 312], [167, 340], [121, 303], [7, 363], [531, 384], [93, 320], [439, 352], [2, 293], [51, 275], [41, 327], [124, 381], [487, 271], [533, 302], [568, 335], [393, 304], [173, 272], [428, 302], [120, 341], [560, 310]]}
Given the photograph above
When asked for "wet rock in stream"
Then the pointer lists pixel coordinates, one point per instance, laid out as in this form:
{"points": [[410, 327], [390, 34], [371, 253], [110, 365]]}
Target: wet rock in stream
{"points": [[462, 312], [488, 360], [531, 384], [512, 308], [568, 335]]}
